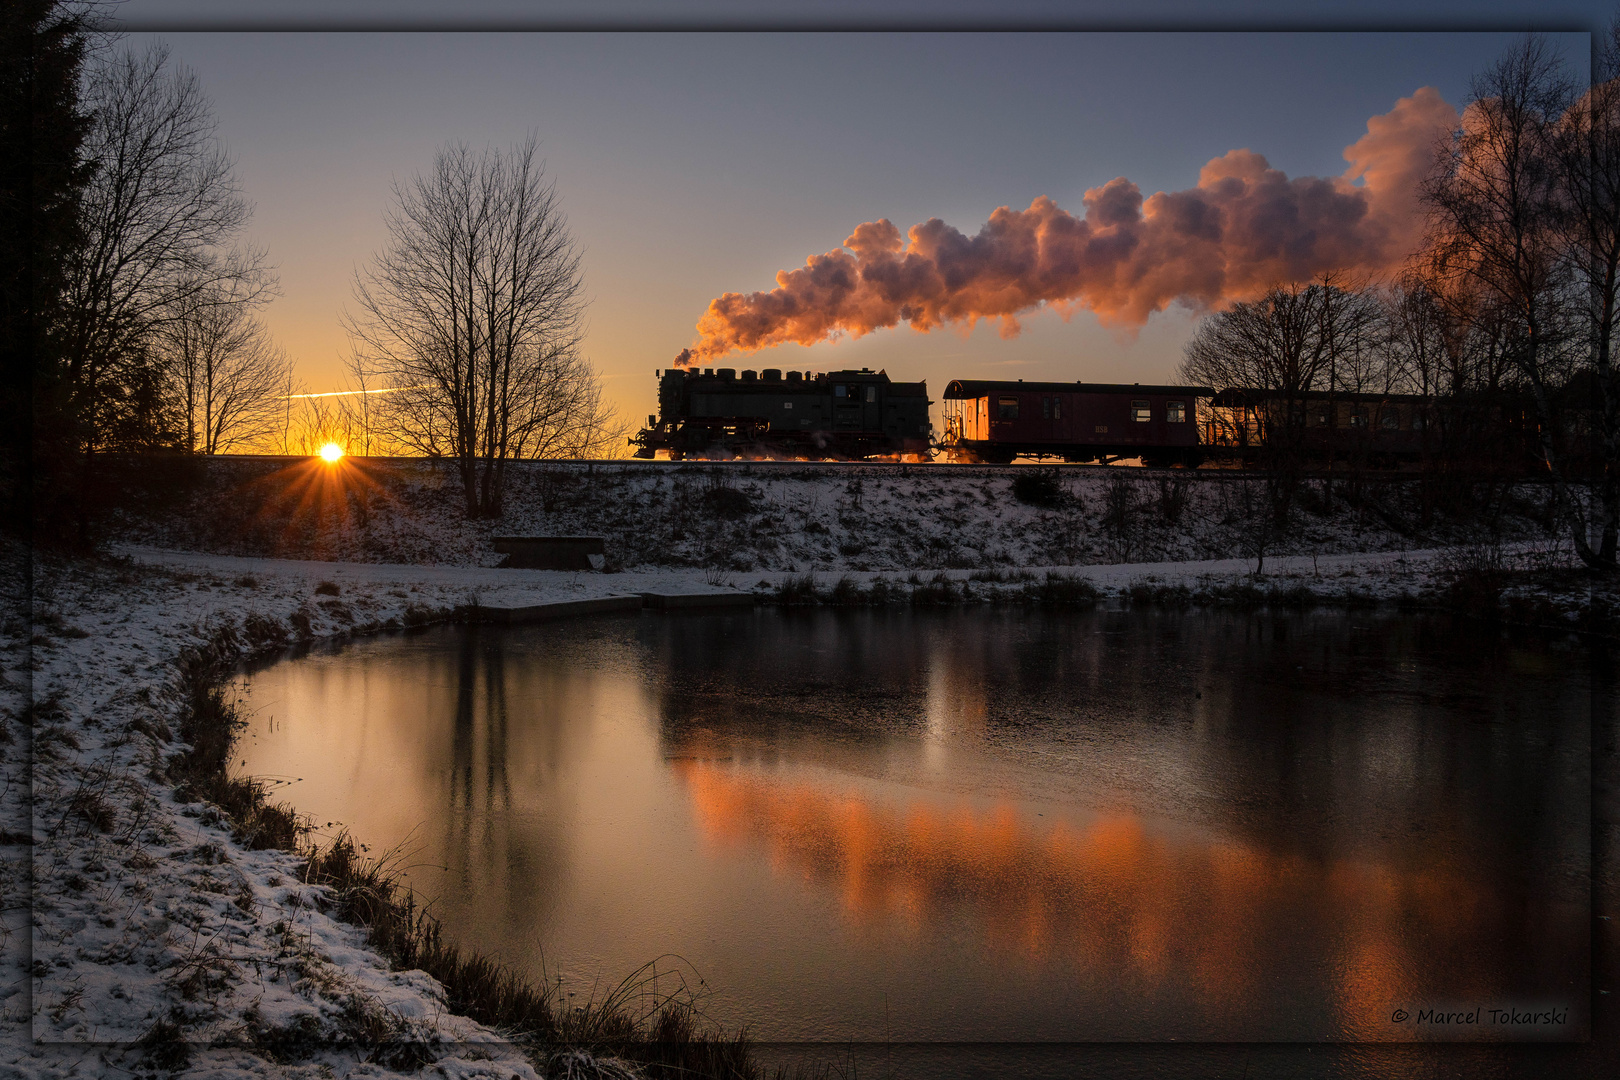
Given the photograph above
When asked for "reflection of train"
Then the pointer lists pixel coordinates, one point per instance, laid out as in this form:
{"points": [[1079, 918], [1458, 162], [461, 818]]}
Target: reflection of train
{"points": [[861, 414], [837, 414]]}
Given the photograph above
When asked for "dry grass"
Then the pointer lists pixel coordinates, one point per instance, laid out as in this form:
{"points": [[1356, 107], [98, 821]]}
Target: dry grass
{"points": [[650, 1018], [208, 725]]}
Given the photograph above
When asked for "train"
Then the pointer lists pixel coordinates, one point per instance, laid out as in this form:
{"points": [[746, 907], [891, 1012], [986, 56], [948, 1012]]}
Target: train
{"points": [[862, 414]]}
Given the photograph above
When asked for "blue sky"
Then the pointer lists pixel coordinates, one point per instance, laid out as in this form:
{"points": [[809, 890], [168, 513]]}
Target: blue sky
{"points": [[696, 163]]}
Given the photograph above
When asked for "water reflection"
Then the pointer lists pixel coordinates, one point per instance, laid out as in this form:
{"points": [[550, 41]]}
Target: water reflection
{"points": [[1142, 910], [996, 825]]}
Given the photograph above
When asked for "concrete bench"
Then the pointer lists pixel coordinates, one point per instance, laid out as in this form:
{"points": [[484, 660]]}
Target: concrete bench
{"points": [[552, 552]]}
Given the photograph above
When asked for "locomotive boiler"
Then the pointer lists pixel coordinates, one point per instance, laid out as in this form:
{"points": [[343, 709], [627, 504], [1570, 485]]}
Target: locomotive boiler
{"points": [[845, 415]]}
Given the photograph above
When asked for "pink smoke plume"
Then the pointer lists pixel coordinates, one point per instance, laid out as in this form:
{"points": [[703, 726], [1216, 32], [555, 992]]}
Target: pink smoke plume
{"points": [[1244, 228]]}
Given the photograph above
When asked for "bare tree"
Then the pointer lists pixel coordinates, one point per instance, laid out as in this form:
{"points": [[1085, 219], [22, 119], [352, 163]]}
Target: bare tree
{"points": [[318, 419], [1586, 146], [287, 401], [360, 412], [1417, 339], [159, 213], [1294, 341], [472, 311], [227, 375], [1500, 226]]}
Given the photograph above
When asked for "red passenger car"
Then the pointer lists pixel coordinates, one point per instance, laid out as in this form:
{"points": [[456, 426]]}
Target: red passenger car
{"points": [[998, 421]]}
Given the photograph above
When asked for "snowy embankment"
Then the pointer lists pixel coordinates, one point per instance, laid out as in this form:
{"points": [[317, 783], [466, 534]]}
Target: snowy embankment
{"points": [[745, 517], [150, 922]]}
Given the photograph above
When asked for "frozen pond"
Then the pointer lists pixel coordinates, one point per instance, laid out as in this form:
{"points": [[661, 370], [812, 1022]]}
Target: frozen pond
{"points": [[983, 825]]}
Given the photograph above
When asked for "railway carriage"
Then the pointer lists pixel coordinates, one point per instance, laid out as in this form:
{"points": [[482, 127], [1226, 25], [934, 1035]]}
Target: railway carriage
{"points": [[1330, 428], [997, 421]]}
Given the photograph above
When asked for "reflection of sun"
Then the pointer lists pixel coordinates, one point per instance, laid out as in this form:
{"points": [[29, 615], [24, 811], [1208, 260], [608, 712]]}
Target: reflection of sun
{"points": [[331, 451]]}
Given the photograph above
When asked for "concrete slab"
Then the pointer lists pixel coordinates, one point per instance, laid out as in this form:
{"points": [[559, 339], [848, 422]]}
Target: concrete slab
{"points": [[665, 601], [560, 609]]}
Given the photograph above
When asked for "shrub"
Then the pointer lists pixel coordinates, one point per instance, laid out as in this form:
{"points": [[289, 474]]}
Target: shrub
{"points": [[164, 1047], [1475, 577], [1039, 487], [327, 588], [722, 500], [1119, 515], [1172, 497]]}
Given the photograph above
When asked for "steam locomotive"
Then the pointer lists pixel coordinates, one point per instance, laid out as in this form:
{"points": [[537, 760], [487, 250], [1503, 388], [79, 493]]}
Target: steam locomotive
{"points": [[848, 415]]}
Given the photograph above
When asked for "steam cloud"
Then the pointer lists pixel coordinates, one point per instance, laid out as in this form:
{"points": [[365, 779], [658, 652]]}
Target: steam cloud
{"points": [[1244, 228]]}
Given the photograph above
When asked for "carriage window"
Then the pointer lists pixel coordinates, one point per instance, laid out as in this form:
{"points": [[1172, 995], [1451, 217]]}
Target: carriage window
{"points": [[1358, 418], [1391, 420], [1057, 408], [787, 404], [1321, 418], [1007, 408], [1175, 412], [1417, 421], [1046, 408], [1140, 412], [871, 393]]}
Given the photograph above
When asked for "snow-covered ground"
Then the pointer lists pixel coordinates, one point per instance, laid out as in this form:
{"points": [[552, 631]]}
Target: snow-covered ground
{"points": [[146, 913], [1381, 576], [789, 516]]}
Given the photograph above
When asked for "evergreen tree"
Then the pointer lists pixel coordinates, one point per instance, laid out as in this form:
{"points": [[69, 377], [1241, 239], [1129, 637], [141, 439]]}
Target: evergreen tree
{"points": [[42, 172]]}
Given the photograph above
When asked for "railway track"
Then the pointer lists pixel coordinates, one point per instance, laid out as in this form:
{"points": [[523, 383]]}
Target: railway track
{"points": [[1206, 472]]}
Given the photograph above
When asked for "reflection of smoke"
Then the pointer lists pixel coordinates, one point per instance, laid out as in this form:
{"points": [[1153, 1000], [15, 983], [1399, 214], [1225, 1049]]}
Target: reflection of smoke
{"points": [[1133, 907], [1245, 227]]}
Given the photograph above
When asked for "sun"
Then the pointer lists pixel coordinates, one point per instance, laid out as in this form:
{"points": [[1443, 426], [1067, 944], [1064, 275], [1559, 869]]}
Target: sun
{"points": [[331, 452]]}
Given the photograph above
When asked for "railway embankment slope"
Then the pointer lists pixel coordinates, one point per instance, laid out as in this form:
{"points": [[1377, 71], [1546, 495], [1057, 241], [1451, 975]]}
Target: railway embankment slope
{"points": [[807, 517]]}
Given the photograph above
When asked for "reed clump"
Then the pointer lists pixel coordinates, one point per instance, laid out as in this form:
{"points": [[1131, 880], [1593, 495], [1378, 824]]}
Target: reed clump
{"points": [[1061, 590]]}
